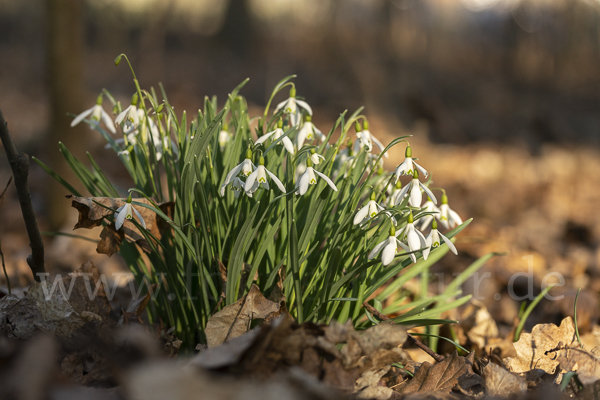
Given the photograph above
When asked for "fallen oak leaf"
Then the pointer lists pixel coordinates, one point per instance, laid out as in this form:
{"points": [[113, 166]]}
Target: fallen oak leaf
{"points": [[502, 383], [585, 363]]}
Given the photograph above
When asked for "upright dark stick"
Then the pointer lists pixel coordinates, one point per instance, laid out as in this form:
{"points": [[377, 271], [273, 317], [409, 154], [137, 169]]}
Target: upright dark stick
{"points": [[383, 317], [20, 168]]}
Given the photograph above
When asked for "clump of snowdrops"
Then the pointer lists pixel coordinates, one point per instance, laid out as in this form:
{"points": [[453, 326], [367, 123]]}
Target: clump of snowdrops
{"points": [[272, 200]]}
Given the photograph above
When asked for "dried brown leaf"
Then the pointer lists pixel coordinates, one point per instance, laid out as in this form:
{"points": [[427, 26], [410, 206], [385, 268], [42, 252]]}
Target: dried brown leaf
{"points": [[441, 377], [585, 363], [234, 320], [534, 350], [502, 383], [478, 323]]}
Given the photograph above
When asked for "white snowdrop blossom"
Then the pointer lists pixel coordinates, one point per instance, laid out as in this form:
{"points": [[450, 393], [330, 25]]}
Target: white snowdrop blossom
{"points": [[141, 131], [389, 247], [433, 241], [369, 211], [415, 196], [237, 185], [129, 116], [259, 178], [397, 195], [309, 178], [308, 132], [224, 137], [316, 157], [365, 139], [126, 212], [429, 207], [276, 134], [97, 114], [409, 165], [245, 167], [290, 107], [448, 217], [414, 238]]}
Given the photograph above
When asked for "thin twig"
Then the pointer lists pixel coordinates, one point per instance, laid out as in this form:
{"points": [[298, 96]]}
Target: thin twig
{"points": [[416, 342], [20, 168]]}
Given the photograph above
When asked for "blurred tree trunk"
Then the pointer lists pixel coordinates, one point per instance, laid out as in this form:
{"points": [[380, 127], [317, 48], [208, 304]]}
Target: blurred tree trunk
{"points": [[65, 46]]}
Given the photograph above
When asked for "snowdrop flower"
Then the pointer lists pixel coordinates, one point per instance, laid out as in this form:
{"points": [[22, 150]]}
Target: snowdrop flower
{"points": [[415, 197], [308, 132], [276, 134], [414, 238], [389, 246], [315, 157], [97, 113], [448, 217], [126, 212], [290, 107], [309, 178], [129, 116], [237, 185], [433, 240], [409, 165], [369, 211], [259, 178], [224, 137], [429, 207], [366, 139], [245, 167]]}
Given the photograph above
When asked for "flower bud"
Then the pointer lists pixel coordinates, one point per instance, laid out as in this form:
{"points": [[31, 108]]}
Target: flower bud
{"points": [[434, 224], [312, 151], [99, 99], [411, 219], [392, 231], [357, 127], [293, 91], [160, 108], [134, 99], [365, 125], [408, 152], [280, 123], [118, 59]]}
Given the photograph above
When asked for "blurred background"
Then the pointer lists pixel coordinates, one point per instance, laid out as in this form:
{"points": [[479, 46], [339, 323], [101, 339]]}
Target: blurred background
{"points": [[502, 97]]}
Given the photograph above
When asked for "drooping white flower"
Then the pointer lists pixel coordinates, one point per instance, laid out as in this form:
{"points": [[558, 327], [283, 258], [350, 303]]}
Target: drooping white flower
{"points": [[389, 246], [259, 178], [414, 239], [397, 194], [369, 211], [448, 217], [237, 185], [224, 136], [309, 178], [290, 107], [409, 165], [429, 207], [415, 196], [308, 132], [126, 212], [276, 134], [245, 167], [316, 157], [365, 139], [433, 240], [129, 116], [98, 114], [141, 133]]}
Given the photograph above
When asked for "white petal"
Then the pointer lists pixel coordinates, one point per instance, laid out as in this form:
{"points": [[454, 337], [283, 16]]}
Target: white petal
{"points": [[142, 222], [427, 249], [379, 144], [401, 195], [389, 252], [402, 169], [377, 249], [450, 244], [304, 105], [121, 116], [236, 170], [413, 239], [302, 183], [287, 143], [250, 181], [276, 180], [329, 182], [279, 106], [454, 217], [412, 256], [423, 170], [361, 214], [108, 122], [415, 194], [120, 218], [302, 136], [264, 137], [429, 193], [81, 116]]}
